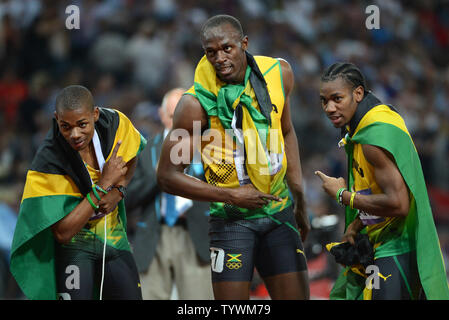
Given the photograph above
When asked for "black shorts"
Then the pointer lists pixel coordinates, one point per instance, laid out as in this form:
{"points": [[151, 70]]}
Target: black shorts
{"points": [[272, 247], [400, 278], [78, 275]]}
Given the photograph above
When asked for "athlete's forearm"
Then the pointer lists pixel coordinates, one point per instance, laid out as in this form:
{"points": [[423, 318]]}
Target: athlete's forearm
{"points": [[172, 179], [393, 201], [356, 226], [131, 164], [294, 174], [377, 204], [353, 230], [181, 184], [71, 224], [109, 201]]}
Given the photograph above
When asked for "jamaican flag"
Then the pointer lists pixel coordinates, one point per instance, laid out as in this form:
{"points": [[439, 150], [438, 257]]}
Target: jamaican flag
{"points": [[245, 130], [246, 109], [380, 125], [55, 184]]}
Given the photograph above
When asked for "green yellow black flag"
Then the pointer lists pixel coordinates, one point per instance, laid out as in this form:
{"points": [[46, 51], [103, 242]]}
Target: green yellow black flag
{"points": [[55, 184], [383, 127]]}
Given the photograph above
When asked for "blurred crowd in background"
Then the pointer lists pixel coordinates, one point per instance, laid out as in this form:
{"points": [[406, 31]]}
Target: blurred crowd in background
{"points": [[130, 52]]}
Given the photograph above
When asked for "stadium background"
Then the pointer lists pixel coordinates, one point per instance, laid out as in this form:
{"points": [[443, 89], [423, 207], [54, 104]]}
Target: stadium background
{"points": [[130, 52]]}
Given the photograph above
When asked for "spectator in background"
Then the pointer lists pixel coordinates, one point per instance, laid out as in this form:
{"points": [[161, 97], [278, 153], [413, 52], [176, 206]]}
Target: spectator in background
{"points": [[146, 53], [13, 90], [39, 91], [171, 240], [8, 218]]}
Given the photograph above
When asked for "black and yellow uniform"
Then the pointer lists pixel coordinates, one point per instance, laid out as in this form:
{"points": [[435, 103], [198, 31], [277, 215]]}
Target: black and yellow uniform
{"points": [[56, 183], [260, 159], [406, 249], [400, 281], [247, 147], [79, 263]]}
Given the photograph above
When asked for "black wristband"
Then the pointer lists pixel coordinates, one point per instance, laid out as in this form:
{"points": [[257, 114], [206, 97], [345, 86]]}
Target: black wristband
{"points": [[121, 189]]}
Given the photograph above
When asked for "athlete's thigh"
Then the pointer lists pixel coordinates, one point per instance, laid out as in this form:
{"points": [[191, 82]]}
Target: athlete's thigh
{"points": [[75, 274], [288, 286], [398, 279], [232, 262], [280, 249], [231, 290], [121, 279]]}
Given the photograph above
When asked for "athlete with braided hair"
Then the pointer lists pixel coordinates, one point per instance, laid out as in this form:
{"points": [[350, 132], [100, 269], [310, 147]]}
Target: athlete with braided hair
{"points": [[385, 195]]}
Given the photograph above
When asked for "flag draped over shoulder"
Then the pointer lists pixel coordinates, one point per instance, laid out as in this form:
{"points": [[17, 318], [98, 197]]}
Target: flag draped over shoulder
{"points": [[260, 137], [382, 126], [55, 184]]}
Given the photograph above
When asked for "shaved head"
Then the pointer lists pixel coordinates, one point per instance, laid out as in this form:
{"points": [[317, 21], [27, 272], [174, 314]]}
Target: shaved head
{"points": [[74, 97], [220, 20]]}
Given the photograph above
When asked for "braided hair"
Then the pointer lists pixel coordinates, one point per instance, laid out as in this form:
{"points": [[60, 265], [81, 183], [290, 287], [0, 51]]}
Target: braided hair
{"points": [[349, 72]]}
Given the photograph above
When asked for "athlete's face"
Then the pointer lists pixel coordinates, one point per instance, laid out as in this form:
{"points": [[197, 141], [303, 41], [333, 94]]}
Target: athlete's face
{"points": [[225, 50], [77, 126], [339, 100]]}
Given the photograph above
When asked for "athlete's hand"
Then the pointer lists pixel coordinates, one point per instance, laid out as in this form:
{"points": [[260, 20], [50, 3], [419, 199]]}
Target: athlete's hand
{"points": [[114, 169], [249, 197], [302, 221], [330, 184], [349, 235], [353, 229], [109, 201]]}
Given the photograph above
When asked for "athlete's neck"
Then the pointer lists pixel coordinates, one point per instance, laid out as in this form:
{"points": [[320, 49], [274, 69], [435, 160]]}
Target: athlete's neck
{"points": [[88, 155]]}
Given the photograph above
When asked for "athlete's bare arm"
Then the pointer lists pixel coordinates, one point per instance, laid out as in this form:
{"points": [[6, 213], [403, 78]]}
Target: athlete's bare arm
{"points": [[294, 173], [113, 171], [392, 202], [109, 201], [394, 199], [170, 174]]}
